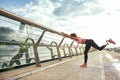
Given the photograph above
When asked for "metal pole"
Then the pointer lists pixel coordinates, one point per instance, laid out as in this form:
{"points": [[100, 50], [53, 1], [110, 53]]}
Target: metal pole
{"points": [[58, 50], [69, 48], [37, 60]]}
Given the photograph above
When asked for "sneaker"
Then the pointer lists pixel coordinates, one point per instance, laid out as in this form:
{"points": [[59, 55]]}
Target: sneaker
{"points": [[111, 41], [83, 65]]}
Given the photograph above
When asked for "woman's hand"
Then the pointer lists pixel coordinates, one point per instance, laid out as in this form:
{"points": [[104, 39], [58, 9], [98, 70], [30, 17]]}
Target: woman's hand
{"points": [[66, 35]]}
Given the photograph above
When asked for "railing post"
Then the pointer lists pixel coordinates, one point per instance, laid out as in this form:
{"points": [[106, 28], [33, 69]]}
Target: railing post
{"points": [[65, 45], [37, 60], [28, 46], [64, 52], [69, 48], [58, 50], [51, 50], [76, 49]]}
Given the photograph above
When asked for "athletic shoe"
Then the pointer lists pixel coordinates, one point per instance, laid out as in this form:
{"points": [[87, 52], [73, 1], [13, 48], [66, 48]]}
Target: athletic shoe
{"points": [[111, 41], [83, 65]]}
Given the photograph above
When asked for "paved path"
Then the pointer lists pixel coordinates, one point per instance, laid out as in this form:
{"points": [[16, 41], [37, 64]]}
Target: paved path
{"points": [[102, 65]]}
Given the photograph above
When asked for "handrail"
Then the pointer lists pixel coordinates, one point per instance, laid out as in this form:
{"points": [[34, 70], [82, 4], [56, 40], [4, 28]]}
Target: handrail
{"points": [[11, 15]]}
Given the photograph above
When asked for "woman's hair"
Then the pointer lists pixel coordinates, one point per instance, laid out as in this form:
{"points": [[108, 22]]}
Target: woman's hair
{"points": [[73, 35]]}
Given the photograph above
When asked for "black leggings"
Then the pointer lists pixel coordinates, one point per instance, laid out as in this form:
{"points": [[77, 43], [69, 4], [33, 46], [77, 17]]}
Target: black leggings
{"points": [[89, 43]]}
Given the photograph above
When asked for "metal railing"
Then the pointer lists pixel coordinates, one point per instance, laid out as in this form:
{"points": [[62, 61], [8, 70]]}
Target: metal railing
{"points": [[23, 41]]}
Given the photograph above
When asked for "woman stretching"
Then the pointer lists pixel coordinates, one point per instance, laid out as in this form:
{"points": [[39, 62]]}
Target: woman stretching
{"points": [[89, 43]]}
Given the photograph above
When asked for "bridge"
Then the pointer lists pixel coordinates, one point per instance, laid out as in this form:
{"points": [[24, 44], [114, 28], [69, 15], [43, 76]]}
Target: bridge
{"points": [[31, 51]]}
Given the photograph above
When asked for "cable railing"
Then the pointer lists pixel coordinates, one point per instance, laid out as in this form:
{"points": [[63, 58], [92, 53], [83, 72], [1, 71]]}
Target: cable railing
{"points": [[30, 42]]}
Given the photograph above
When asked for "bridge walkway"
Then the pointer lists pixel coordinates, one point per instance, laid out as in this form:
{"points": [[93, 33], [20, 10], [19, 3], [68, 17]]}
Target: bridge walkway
{"points": [[100, 67]]}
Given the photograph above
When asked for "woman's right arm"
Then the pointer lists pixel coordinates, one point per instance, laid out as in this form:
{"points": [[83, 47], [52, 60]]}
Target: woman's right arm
{"points": [[66, 35]]}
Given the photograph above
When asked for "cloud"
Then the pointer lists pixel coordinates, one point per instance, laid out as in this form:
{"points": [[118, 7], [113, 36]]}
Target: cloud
{"points": [[39, 12], [67, 7], [58, 13], [89, 18], [110, 6], [79, 7]]}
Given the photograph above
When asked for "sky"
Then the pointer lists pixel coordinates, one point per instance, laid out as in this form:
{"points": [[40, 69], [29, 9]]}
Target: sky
{"points": [[92, 19]]}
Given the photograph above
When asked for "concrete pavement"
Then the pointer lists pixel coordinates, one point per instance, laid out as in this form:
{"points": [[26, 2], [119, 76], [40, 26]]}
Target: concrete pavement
{"points": [[101, 66]]}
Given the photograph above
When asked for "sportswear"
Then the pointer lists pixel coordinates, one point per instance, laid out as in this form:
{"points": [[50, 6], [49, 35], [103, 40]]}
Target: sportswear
{"points": [[79, 40]]}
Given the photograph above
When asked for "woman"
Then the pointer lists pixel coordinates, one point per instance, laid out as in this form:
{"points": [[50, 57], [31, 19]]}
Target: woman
{"points": [[89, 43]]}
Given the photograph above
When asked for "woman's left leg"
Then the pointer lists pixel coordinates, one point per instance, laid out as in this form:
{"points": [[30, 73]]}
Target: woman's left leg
{"points": [[93, 44]]}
